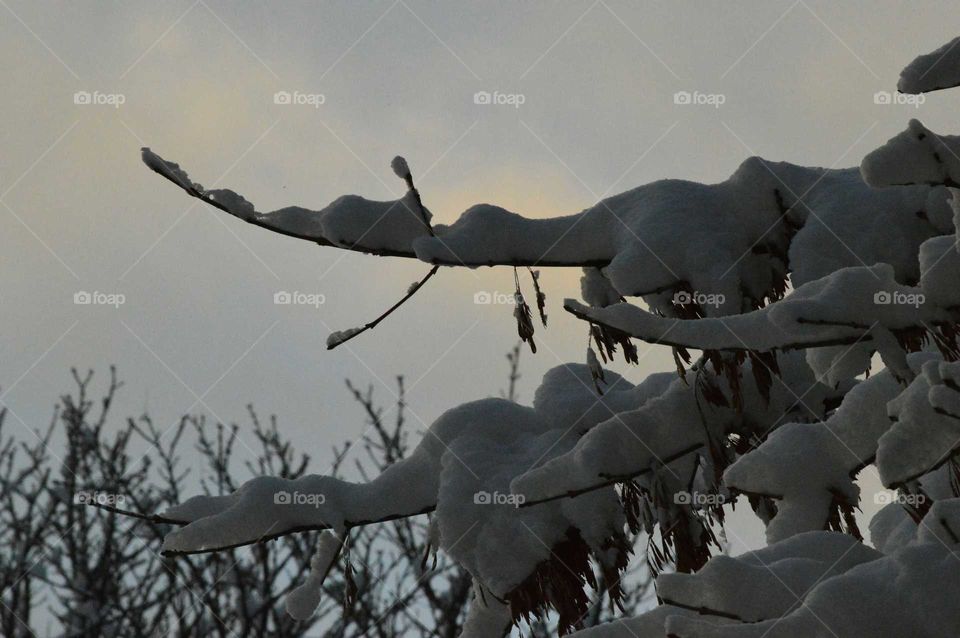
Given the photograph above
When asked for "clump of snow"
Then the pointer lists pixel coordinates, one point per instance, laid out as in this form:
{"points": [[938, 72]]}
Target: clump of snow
{"points": [[302, 602], [648, 625], [933, 71], [842, 444], [400, 168], [234, 203], [815, 585], [487, 617], [337, 337], [848, 306], [657, 440], [926, 430], [596, 289], [170, 170], [915, 156], [891, 528], [350, 221], [940, 268], [462, 470], [764, 583], [885, 225]]}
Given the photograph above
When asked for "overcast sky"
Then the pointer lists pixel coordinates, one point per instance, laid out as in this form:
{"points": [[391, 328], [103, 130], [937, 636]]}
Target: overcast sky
{"points": [[198, 330]]}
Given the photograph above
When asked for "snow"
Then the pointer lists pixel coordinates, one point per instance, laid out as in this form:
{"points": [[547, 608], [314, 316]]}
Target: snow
{"points": [[924, 433], [827, 311], [337, 337], [877, 226], [302, 602], [815, 585], [892, 528], [941, 524], [170, 170], [643, 440], [596, 289], [351, 221], [933, 71], [654, 239], [800, 275], [915, 156], [940, 265], [400, 168], [842, 444], [487, 617], [461, 470], [236, 204], [764, 583], [794, 595], [648, 625]]}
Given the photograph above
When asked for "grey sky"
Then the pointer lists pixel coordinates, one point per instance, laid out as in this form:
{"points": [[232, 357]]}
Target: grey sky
{"points": [[80, 212]]}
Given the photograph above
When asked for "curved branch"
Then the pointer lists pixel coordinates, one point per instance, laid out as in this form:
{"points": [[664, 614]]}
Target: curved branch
{"points": [[155, 518], [749, 331], [340, 338], [485, 235]]}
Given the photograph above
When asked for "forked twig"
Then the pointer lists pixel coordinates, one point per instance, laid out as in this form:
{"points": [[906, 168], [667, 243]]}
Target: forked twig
{"points": [[402, 170]]}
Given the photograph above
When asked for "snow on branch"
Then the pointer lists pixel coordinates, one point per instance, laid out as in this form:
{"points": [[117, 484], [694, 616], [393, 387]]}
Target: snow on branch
{"points": [[814, 585], [933, 71], [460, 472], [824, 495], [654, 240], [791, 274], [392, 228], [863, 306], [351, 221], [925, 433], [915, 156], [659, 442]]}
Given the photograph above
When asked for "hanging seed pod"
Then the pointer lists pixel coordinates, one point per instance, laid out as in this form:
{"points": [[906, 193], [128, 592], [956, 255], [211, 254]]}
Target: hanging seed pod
{"points": [[541, 298], [521, 312], [596, 370]]}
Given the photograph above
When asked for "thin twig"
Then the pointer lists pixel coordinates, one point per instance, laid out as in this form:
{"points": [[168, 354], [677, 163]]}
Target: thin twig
{"points": [[373, 324]]}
